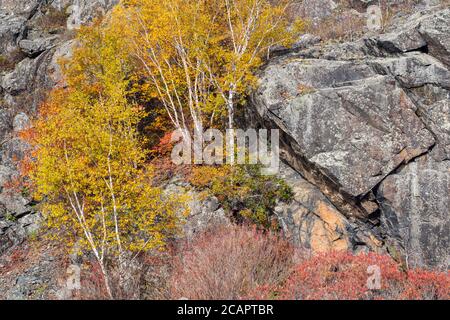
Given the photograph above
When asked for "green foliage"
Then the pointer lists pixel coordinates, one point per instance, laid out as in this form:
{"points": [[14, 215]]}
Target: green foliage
{"points": [[33, 235], [242, 190], [9, 217]]}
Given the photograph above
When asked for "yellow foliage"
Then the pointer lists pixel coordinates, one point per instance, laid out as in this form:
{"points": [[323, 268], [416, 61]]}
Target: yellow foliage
{"points": [[197, 59], [90, 168], [200, 56]]}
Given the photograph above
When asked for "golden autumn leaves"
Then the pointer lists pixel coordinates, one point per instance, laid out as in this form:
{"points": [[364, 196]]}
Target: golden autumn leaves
{"points": [[199, 57], [196, 58]]}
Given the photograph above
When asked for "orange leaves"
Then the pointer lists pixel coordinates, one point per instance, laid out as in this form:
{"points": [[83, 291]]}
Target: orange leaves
{"points": [[165, 146], [206, 176]]}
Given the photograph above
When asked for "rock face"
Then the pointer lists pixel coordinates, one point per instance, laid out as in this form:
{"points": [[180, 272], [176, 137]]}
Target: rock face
{"points": [[415, 204], [11, 27], [33, 271], [429, 32], [367, 123], [204, 213], [33, 49], [313, 222], [354, 125], [83, 11]]}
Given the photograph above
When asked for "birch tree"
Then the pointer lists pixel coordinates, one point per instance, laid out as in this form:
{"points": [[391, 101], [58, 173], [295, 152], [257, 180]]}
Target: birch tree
{"points": [[89, 168], [200, 56]]}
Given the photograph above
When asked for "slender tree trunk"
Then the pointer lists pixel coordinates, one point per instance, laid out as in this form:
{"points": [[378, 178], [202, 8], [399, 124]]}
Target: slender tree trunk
{"points": [[106, 280], [230, 106]]}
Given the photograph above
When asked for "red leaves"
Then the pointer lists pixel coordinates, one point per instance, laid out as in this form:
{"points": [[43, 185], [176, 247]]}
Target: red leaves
{"points": [[343, 276], [165, 146], [241, 262], [424, 284]]}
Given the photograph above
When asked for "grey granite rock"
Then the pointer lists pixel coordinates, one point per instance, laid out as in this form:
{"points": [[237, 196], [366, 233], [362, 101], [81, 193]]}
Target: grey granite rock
{"points": [[366, 122], [415, 203], [11, 28], [36, 46], [311, 221], [351, 125]]}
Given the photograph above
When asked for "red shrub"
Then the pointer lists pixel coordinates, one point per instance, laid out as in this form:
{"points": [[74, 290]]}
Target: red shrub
{"points": [[158, 274], [229, 262], [422, 284], [165, 169], [165, 146], [343, 276]]}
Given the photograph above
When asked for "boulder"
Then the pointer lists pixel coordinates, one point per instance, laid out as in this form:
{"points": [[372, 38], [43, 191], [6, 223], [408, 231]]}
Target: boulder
{"points": [[36, 46], [353, 126], [21, 78], [204, 214], [11, 28]]}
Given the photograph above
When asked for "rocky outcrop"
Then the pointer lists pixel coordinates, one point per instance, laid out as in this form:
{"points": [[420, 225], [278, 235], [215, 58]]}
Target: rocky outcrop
{"points": [[83, 11], [35, 47], [367, 123], [425, 32], [33, 271], [355, 125], [11, 27], [204, 211]]}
